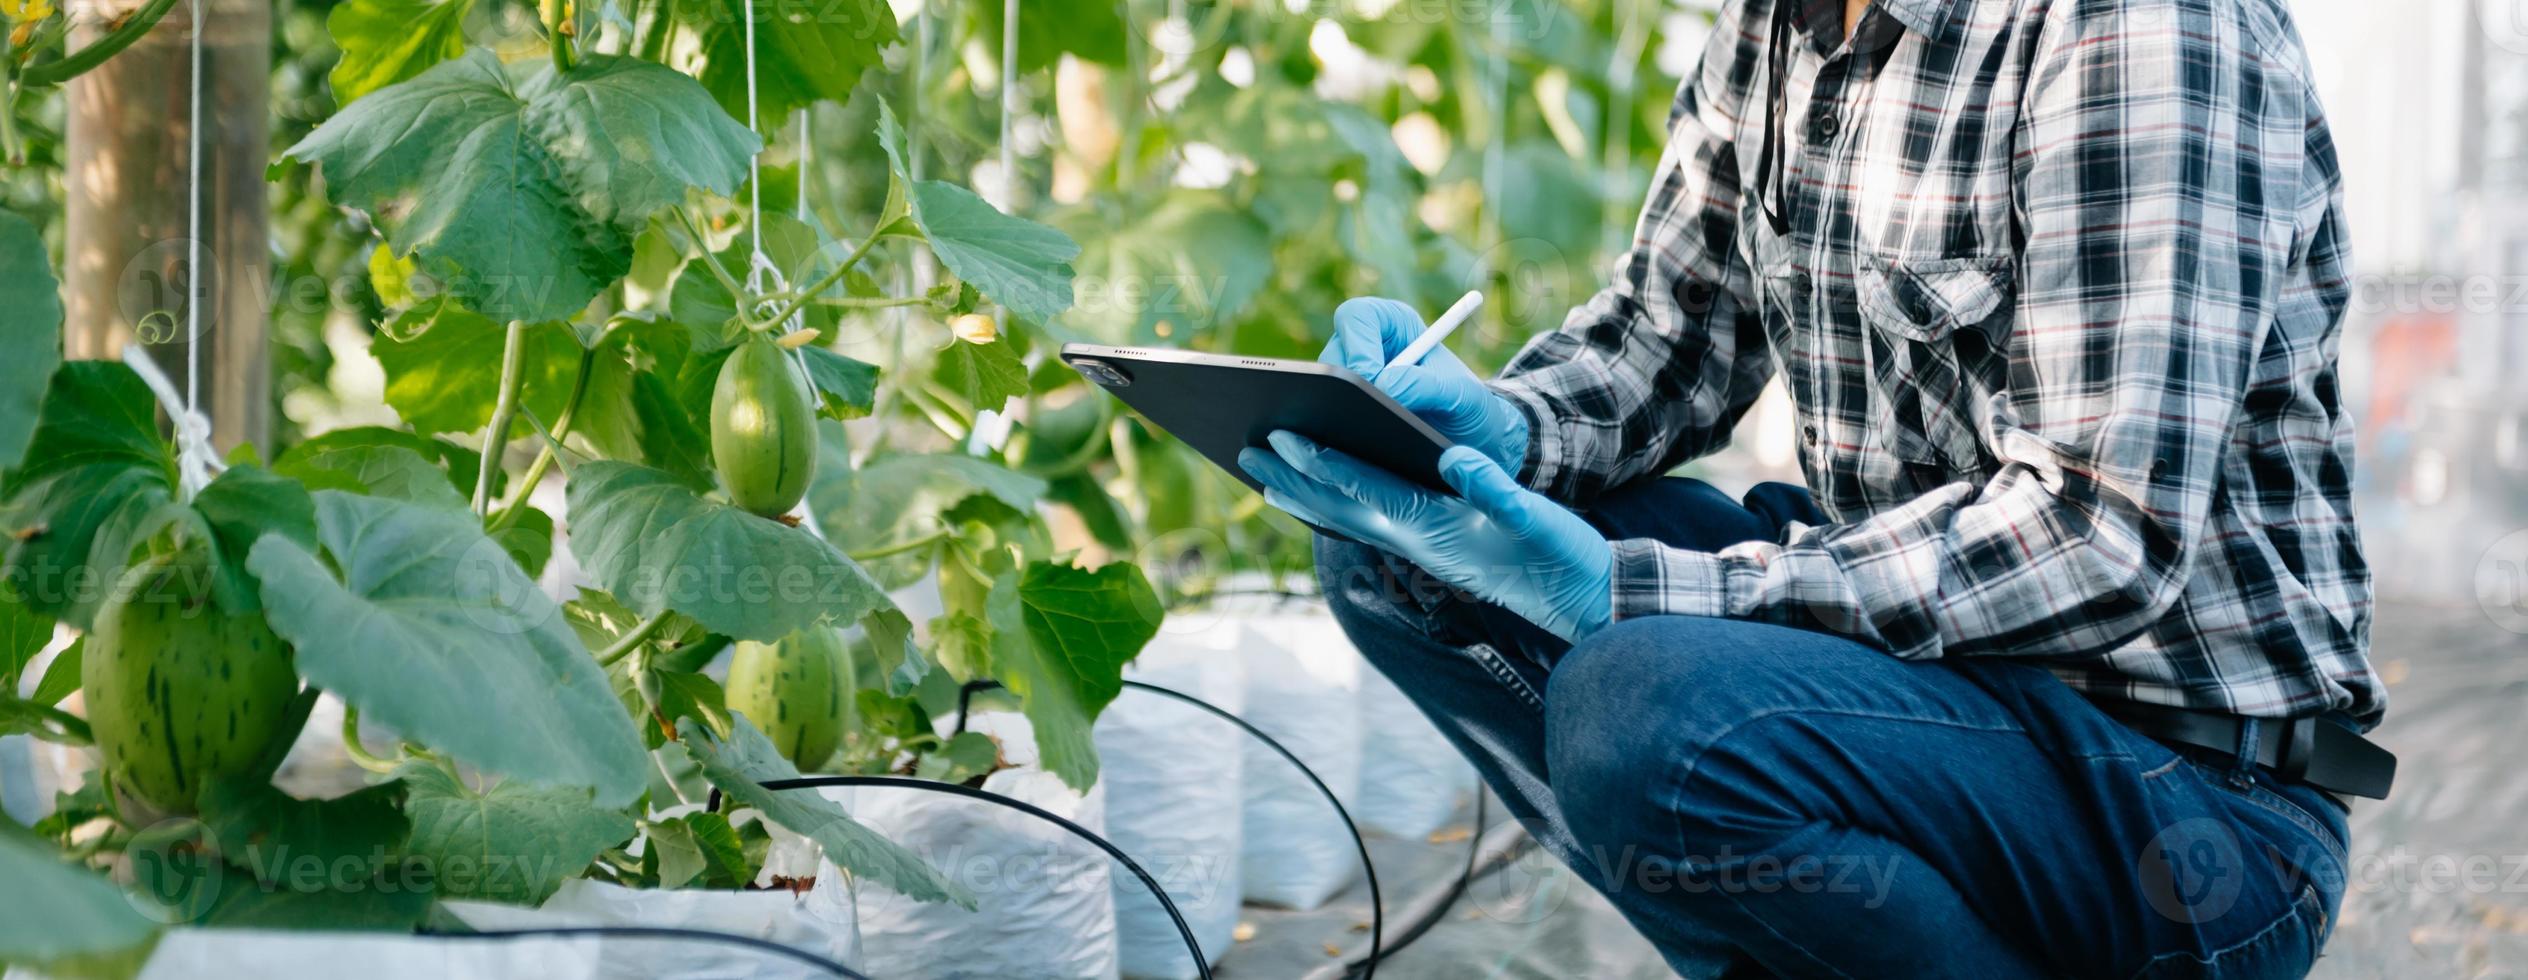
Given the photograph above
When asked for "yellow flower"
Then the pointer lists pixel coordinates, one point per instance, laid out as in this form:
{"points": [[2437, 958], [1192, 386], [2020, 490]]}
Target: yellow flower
{"points": [[26, 11], [975, 328]]}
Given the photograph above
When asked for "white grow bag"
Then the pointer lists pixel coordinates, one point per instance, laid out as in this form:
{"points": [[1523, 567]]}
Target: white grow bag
{"points": [[825, 928], [1412, 778], [1171, 774], [1302, 688], [271, 954], [1044, 910]]}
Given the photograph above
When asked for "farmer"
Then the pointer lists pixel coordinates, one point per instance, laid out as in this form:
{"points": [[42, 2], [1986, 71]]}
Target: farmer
{"points": [[2058, 662]]}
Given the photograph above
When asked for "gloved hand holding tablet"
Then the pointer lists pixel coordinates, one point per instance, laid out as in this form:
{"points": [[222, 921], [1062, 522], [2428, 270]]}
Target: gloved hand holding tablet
{"points": [[1418, 464]]}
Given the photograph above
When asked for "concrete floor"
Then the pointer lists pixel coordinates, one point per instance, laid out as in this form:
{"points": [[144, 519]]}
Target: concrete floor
{"points": [[2439, 881]]}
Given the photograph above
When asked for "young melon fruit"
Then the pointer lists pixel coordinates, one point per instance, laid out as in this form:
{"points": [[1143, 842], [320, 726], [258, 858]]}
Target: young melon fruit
{"points": [[180, 693], [797, 690], [763, 429]]}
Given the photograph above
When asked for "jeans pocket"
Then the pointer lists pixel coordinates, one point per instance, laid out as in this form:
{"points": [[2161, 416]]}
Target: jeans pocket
{"points": [[2287, 948]]}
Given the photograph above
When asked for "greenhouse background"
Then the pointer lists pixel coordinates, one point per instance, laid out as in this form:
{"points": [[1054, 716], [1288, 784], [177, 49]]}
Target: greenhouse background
{"points": [[1230, 172]]}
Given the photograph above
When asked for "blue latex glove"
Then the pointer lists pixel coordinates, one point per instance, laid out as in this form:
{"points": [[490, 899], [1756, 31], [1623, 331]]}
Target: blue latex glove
{"points": [[1504, 543], [1441, 389]]}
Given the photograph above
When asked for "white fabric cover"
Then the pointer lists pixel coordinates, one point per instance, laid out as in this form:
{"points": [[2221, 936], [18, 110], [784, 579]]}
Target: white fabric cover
{"points": [[1171, 773], [1302, 688], [1412, 778], [825, 929], [1044, 908]]}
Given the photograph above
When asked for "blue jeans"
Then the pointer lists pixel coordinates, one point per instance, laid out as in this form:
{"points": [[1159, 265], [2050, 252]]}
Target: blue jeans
{"points": [[1760, 799]]}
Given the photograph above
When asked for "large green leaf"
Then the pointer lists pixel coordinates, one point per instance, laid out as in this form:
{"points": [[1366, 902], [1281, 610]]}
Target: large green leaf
{"points": [[1018, 263], [633, 410], [30, 332], [1060, 639], [239, 507], [279, 839], [987, 376], [446, 377], [384, 462], [387, 41], [700, 845], [1092, 30], [435, 632], [740, 764], [23, 634], [895, 500], [846, 387], [520, 190], [511, 843], [803, 51], [97, 480], [52, 910], [654, 543]]}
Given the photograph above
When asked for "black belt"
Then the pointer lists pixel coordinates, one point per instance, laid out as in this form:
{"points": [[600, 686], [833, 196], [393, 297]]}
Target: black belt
{"points": [[2315, 751]]}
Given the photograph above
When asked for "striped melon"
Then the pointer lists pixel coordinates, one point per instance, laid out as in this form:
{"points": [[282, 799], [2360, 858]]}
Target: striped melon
{"points": [[181, 694], [797, 690], [763, 428]]}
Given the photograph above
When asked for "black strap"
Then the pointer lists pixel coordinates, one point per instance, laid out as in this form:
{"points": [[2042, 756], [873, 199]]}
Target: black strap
{"points": [[1772, 179], [2314, 751]]}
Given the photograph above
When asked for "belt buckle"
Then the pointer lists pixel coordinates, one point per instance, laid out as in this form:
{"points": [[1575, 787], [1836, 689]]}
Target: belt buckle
{"points": [[2299, 742]]}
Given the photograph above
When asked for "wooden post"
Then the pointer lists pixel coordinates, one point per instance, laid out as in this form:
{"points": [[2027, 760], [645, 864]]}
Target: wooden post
{"points": [[124, 247]]}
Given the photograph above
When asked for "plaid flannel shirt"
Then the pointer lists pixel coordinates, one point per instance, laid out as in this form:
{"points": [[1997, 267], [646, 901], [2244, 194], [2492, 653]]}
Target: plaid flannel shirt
{"points": [[2055, 291]]}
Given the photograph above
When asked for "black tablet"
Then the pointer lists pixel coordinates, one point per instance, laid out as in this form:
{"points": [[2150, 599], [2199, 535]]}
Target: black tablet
{"points": [[1222, 403]]}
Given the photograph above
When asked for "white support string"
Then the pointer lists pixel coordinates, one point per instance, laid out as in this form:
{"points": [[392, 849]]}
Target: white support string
{"points": [[761, 272], [196, 459], [807, 162]]}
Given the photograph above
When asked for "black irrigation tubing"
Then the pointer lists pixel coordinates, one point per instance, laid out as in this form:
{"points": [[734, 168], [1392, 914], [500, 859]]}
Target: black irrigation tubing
{"points": [[1202, 965], [1369, 869], [657, 932], [1415, 930]]}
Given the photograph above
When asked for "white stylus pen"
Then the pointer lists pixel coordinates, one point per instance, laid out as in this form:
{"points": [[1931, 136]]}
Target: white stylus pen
{"points": [[1458, 312]]}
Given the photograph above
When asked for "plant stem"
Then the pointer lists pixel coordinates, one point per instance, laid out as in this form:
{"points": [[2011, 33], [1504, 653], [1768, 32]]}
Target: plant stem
{"points": [[359, 753], [871, 302], [78, 62], [12, 150], [496, 435], [544, 457], [67, 728], [858, 252], [556, 17], [623, 646], [737, 290], [889, 551]]}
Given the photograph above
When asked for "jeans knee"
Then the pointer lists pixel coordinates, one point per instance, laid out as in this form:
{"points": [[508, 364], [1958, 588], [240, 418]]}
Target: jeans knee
{"points": [[1632, 711]]}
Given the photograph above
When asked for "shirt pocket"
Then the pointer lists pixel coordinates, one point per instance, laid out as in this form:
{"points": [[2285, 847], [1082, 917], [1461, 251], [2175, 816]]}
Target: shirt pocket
{"points": [[1921, 404]]}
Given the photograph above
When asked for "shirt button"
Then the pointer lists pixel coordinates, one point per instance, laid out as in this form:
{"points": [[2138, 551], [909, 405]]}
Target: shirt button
{"points": [[1800, 283], [1810, 434], [1822, 125]]}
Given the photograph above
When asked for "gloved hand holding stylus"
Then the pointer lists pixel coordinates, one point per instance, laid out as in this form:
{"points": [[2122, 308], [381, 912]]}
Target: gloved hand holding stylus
{"points": [[1500, 541], [1440, 389]]}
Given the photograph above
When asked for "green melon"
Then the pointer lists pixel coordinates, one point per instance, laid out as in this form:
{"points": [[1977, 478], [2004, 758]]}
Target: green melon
{"points": [[763, 428], [181, 694], [797, 690]]}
